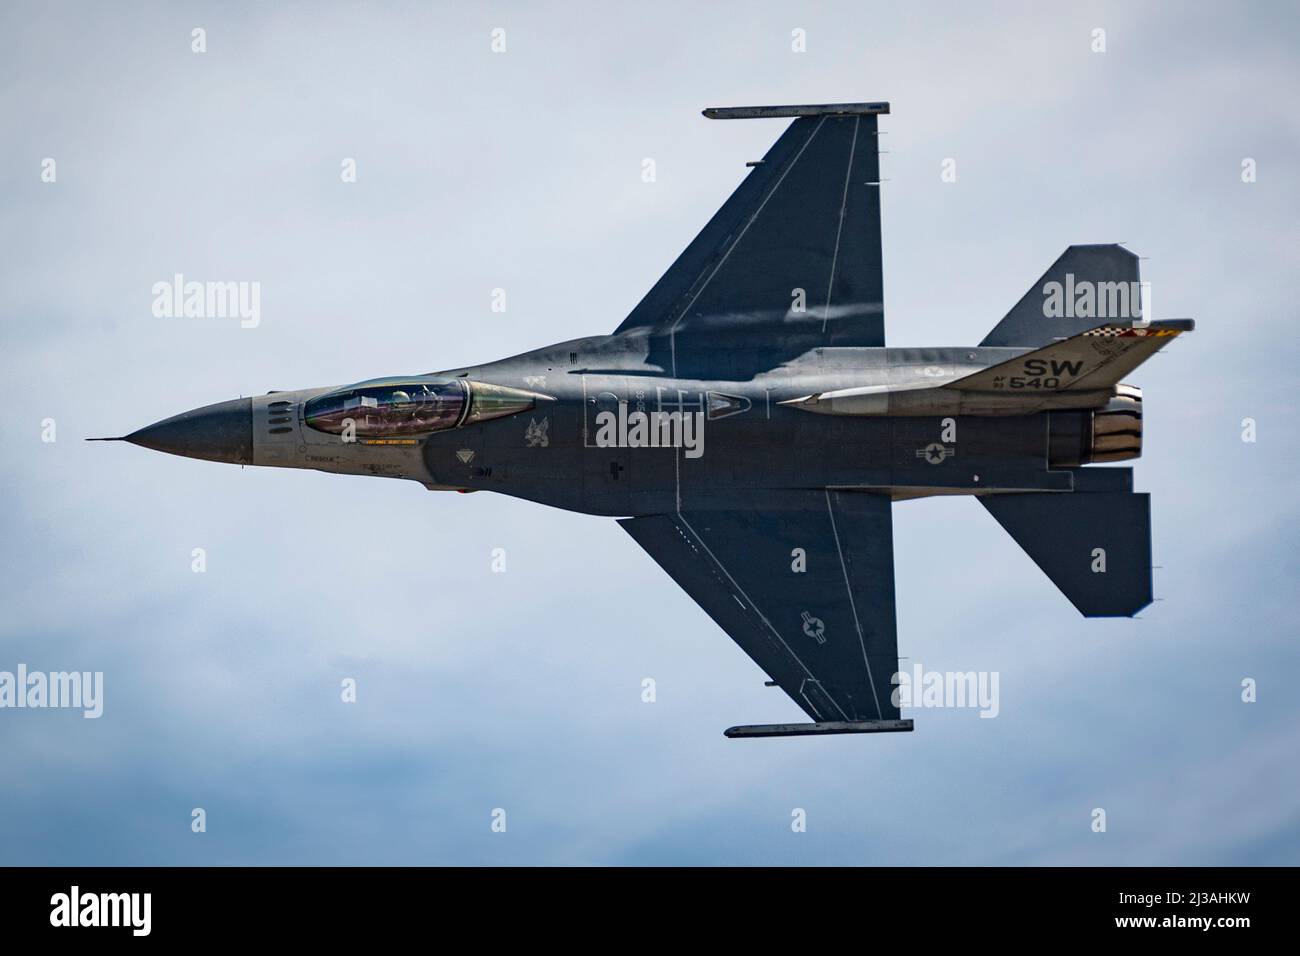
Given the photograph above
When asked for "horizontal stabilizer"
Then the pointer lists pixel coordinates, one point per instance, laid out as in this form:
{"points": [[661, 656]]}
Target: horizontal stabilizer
{"points": [[1095, 546], [1094, 360]]}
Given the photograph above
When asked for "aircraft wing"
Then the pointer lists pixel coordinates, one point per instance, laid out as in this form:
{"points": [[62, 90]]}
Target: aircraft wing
{"points": [[792, 260], [803, 581]]}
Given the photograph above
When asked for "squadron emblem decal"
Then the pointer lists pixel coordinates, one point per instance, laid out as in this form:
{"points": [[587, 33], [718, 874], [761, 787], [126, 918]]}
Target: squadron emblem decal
{"points": [[538, 434]]}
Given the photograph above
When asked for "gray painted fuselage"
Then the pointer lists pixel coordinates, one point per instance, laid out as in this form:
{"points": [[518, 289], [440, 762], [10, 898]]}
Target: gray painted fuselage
{"points": [[549, 454]]}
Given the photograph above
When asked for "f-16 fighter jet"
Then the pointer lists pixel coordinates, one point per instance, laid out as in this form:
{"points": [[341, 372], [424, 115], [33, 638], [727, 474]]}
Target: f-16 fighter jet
{"points": [[750, 429]]}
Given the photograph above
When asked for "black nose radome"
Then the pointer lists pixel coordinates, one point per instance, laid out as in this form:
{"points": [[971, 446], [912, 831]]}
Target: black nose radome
{"points": [[220, 432]]}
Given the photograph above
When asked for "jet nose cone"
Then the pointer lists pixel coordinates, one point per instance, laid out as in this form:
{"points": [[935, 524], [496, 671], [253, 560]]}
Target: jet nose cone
{"points": [[220, 432]]}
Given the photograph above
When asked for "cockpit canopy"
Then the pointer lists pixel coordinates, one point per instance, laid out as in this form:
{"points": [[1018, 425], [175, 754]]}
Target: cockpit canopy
{"points": [[391, 407], [386, 407]]}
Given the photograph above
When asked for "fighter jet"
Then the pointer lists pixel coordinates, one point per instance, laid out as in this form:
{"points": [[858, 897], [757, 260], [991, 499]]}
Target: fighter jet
{"points": [[747, 425]]}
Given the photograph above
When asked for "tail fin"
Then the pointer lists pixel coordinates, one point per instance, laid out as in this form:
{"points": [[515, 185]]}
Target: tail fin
{"points": [[1086, 287], [1094, 545]]}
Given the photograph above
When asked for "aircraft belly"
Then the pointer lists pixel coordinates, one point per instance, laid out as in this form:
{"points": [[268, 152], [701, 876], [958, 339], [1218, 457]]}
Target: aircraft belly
{"points": [[606, 465]]}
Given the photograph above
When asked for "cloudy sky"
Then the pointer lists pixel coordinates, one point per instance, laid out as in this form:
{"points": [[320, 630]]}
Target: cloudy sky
{"points": [[522, 170]]}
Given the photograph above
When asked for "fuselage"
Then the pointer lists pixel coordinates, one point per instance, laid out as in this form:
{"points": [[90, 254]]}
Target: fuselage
{"points": [[617, 434]]}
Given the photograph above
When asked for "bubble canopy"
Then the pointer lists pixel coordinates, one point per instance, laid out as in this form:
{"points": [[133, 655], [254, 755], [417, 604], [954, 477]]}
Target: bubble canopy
{"points": [[419, 405]]}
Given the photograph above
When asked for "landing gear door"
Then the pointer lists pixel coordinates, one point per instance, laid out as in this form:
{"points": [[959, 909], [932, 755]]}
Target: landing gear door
{"points": [[606, 463]]}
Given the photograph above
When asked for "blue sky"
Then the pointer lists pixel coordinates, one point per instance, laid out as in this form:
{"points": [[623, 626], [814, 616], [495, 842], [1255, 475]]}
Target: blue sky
{"points": [[522, 690]]}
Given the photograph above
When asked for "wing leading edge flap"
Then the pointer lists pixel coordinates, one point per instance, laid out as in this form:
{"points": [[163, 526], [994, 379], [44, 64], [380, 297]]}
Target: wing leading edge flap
{"points": [[791, 261], [803, 581]]}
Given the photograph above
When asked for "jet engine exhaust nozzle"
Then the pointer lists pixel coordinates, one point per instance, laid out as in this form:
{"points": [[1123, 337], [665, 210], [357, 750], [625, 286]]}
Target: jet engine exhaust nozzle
{"points": [[1117, 428], [1111, 433]]}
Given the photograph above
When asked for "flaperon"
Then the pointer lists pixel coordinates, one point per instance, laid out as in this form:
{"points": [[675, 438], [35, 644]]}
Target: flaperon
{"points": [[750, 430]]}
